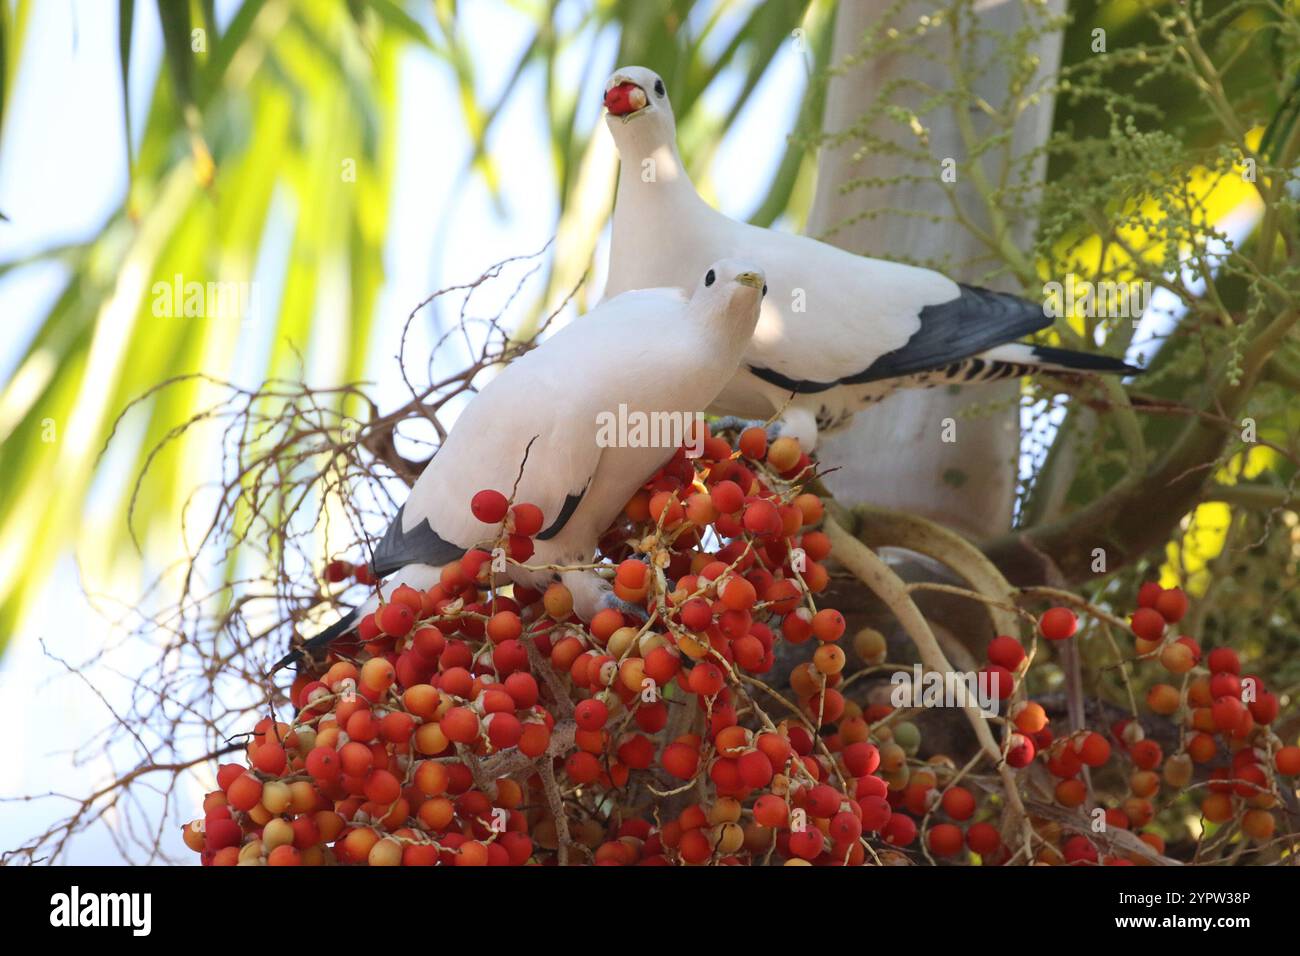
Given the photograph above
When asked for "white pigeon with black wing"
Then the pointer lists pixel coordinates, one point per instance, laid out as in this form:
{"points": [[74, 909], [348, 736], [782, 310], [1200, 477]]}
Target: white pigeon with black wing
{"points": [[648, 356], [838, 331]]}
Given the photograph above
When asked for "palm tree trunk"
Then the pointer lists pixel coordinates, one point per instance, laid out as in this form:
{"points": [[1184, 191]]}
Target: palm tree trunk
{"points": [[894, 454]]}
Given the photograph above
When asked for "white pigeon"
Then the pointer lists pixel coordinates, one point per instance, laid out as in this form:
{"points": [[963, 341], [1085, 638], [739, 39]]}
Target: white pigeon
{"points": [[838, 331], [649, 359]]}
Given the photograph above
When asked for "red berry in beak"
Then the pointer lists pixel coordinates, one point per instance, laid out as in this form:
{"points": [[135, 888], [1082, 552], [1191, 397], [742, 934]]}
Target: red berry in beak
{"points": [[624, 98]]}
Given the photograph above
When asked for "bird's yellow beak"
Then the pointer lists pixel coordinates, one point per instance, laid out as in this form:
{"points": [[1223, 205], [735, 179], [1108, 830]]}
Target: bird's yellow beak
{"points": [[751, 279]]}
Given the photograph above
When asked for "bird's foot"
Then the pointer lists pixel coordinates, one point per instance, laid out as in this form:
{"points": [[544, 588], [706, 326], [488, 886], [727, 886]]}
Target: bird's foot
{"points": [[611, 601], [729, 423]]}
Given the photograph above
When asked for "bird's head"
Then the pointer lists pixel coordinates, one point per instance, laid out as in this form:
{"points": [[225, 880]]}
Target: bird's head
{"points": [[637, 100], [733, 290]]}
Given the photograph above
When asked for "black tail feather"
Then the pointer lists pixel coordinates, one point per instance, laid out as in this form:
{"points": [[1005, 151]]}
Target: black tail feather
{"points": [[1084, 361], [323, 639]]}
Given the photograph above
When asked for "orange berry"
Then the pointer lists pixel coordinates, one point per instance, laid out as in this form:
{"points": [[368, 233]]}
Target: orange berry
{"points": [[1030, 717], [700, 510], [1259, 824], [828, 625], [558, 601], [1094, 749], [829, 659], [1163, 699], [377, 674], [245, 792], [1202, 748], [431, 778], [1071, 792], [1177, 658], [783, 454], [385, 852], [1217, 807], [504, 626], [810, 506]]}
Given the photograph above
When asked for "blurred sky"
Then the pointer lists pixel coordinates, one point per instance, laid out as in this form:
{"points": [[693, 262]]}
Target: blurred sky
{"points": [[62, 175]]}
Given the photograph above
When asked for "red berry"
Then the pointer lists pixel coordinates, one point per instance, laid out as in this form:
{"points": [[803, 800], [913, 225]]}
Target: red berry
{"points": [[753, 443], [1001, 682], [727, 497], [461, 725], [1224, 659], [396, 620], [1146, 754], [1148, 624], [520, 547], [591, 714], [1006, 652], [823, 800], [738, 594], [1287, 761], [696, 614], [958, 803], [1057, 624], [771, 811], [1171, 605], [503, 729], [1094, 750], [270, 758], [221, 833], [1228, 713], [681, 760], [706, 679], [807, 844], [489, 506], [755, 769], [1077, 849], [527, 519], [875, 811], [382, 787], [337, 571], [582, 767], [845, 827], [523, 688], [1148, 594], [1266, 708], [323, 763], [861, 758], [945, 839], [983, 838], [899, 831], [761, 518], [1020, 752]]}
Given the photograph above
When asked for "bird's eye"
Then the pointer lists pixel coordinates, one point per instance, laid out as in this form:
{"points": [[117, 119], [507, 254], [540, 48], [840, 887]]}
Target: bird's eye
{"points": [[659, 87], [764, 288], [709, 277]]}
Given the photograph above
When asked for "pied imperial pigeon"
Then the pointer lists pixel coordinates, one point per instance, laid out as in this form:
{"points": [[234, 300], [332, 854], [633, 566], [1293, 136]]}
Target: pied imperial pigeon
{"points": [[645, 358], [838, 331]]}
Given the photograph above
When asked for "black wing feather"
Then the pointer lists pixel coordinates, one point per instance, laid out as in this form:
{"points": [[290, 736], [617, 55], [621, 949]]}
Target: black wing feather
{"points": [[571, 503], [978, 319], [420, 545]]}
